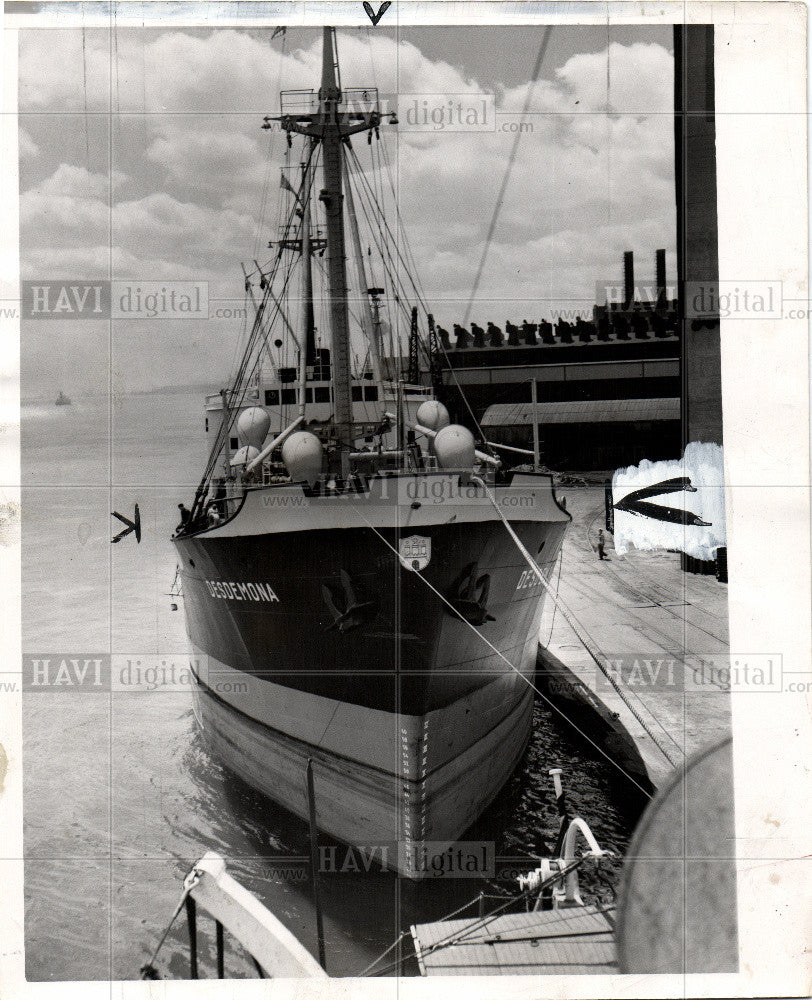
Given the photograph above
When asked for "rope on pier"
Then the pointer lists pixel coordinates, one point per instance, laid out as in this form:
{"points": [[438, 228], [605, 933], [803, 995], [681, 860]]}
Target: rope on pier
{"points": [[383, 954], [505, 660], [455, 937], [570, 619]]}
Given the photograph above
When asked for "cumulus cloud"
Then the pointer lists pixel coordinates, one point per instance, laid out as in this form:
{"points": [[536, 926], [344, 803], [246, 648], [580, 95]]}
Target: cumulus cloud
{"points": [[27, 147], [624, 79], [593, 175], [65, 210]]}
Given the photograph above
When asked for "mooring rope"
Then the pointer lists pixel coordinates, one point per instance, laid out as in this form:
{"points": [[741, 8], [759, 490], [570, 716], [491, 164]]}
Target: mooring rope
{"points": [[148, 970], [570, 618], [502, 657], [479, 923]]}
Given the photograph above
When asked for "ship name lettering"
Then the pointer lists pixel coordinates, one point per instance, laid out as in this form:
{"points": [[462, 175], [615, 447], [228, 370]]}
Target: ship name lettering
{"points": [[229, 590], [527, 579]]}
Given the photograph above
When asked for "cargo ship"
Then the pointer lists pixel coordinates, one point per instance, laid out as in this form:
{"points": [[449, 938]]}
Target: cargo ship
{"points": [[355, 591]]}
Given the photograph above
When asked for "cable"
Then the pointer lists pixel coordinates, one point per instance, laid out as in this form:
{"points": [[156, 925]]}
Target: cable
{"points": [[257, 339], [506, 178], [455, 937], [502, 657], [576, 627], [555, 602], [271, 142]]}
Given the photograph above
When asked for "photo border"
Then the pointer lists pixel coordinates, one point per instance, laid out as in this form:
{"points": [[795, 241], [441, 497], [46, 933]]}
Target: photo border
{"points": [[763, 210]]}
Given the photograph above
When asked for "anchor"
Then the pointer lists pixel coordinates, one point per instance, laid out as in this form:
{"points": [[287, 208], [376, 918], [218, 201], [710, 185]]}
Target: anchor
{"points": [[356, 613], [469, 595]]}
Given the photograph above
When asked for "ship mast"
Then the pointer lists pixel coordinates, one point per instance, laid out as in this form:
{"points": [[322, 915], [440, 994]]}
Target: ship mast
{"points": [[333, 198], [332, 125], [308, 317]]}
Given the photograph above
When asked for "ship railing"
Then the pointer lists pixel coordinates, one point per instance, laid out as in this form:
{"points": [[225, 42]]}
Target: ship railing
{"points": [[355, 103], [471, 932], [214, 401], [298, 102], [359, 101], [275, 952], [553, 885], [408, 388]]}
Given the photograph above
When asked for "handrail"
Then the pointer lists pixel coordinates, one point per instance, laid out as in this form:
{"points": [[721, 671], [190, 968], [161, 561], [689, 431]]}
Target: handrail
{"points": [[264, 937]]}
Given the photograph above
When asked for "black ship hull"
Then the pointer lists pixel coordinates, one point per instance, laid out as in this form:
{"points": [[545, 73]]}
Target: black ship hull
{"points": [[396, 651]]}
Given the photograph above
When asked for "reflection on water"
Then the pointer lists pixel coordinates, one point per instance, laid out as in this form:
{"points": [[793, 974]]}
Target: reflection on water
{"points": [[121, 794]]}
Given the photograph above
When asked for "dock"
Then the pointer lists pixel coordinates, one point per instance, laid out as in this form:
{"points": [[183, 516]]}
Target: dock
{"points": [[642, 607], [550, 942]]}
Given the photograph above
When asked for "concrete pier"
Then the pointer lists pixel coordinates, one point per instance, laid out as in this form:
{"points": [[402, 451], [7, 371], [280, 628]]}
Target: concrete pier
{"points": [[654, 623]]}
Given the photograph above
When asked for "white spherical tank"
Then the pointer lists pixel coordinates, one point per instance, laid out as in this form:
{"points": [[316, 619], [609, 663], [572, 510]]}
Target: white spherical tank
{"points": [[252, 426], [302, 454], [455, 447], [244, 455], [433, 415]]}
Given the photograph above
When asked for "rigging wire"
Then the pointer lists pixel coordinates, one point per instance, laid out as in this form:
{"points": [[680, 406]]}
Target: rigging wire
{"points": [[583, 636], [401, 227], [351, 310], [390, 313], [400, 292], [242, 340], [241, 383], [84, 87], [257, 339], [418, 292], [402, 236], [370, 195], [397, 269], [269, 156], [479, 923], [506, 178], [555, 602], [384, 227], [501, 655], [396, 288]]}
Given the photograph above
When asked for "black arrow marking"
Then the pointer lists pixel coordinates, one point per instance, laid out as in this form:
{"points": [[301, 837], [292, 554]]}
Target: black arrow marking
{"points": [[381, 10], [134, 525], [634, 503]]}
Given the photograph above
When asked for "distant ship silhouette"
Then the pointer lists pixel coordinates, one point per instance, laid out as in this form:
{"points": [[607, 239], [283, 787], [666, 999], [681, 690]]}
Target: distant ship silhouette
{"points": [[62, 400]]}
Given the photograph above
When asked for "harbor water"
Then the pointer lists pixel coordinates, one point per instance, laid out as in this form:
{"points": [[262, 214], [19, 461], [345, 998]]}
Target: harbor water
{"points": [[121, 795]]}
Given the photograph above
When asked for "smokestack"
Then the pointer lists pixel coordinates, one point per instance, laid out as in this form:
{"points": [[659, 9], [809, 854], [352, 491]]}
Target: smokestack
{"points": [[628, 279], [662, 294]]}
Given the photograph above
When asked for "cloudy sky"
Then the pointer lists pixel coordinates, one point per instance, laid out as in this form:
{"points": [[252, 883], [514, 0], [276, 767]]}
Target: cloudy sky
{"points": [[181, 197]]}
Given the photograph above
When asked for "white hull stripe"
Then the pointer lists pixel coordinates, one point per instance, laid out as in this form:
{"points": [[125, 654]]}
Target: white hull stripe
{"points": [[411, 745]]}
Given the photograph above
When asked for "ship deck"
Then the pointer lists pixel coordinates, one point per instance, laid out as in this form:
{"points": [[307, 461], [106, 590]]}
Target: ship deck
{"points": [[641, 605]]}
